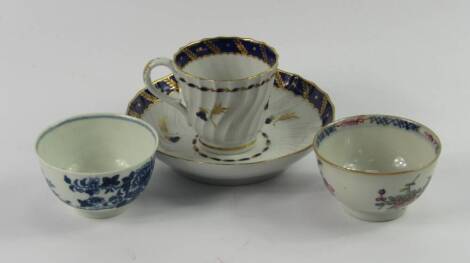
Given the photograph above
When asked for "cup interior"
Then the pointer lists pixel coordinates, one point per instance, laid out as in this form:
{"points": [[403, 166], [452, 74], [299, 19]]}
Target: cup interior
{"points": [[225, 58], [388, 145], [226, 67], [97, 144]]}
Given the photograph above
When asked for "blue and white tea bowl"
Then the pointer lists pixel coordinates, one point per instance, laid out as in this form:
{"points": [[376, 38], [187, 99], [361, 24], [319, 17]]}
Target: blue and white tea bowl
{"points": [[98, 163]]}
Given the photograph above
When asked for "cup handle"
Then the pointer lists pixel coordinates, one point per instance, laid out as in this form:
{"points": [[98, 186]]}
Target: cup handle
{"points": [[176, 103]]}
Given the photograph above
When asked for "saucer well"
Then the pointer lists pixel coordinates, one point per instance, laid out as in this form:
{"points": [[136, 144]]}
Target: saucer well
{"points": [[296, 110]]}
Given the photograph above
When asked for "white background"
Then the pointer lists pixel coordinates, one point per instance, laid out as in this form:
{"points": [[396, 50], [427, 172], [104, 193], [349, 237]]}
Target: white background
{"points": [[407, 58]]}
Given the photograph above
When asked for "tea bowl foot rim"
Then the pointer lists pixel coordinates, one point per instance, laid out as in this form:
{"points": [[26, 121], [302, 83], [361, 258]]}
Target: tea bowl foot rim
{"points": [[99, 214], [379, 216]]}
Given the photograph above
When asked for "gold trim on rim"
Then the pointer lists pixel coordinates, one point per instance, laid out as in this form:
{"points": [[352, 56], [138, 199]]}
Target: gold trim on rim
{"points": [[335, 123], [228, 149], [209, 39], [212, 47], [278, 77]]}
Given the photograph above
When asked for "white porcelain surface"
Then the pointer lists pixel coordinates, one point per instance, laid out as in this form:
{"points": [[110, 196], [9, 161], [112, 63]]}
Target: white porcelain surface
{"points": [[228, 120], [287, 137], [376, 165], [406, 57], [97, 163]]}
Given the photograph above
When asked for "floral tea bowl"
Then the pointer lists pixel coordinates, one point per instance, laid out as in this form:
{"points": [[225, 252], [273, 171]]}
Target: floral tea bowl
{"points": [[98, 163], [376, 165]]}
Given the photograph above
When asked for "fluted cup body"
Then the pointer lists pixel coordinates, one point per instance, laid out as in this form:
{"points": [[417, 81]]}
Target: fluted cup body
{"points": [[226, 83]]}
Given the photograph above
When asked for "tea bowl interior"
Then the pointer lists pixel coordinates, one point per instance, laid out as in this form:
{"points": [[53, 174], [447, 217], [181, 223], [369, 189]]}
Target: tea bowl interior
{"points": [[377, 149], [96, 144]]}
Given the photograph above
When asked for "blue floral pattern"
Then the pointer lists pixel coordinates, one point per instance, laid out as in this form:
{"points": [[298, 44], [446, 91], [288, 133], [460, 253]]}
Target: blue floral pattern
{"points": [[110, 192], [89, 185]]}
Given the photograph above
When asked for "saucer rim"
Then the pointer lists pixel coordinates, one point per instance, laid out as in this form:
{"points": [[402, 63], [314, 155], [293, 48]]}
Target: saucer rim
{"points": [[310, 146]]}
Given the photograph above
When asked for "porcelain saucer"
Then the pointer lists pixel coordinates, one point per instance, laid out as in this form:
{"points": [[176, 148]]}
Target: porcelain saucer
{"points": [[296, 110]]}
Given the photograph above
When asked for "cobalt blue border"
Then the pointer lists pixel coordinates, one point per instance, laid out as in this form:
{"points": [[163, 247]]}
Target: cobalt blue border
{"points": [[225, 45]]}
